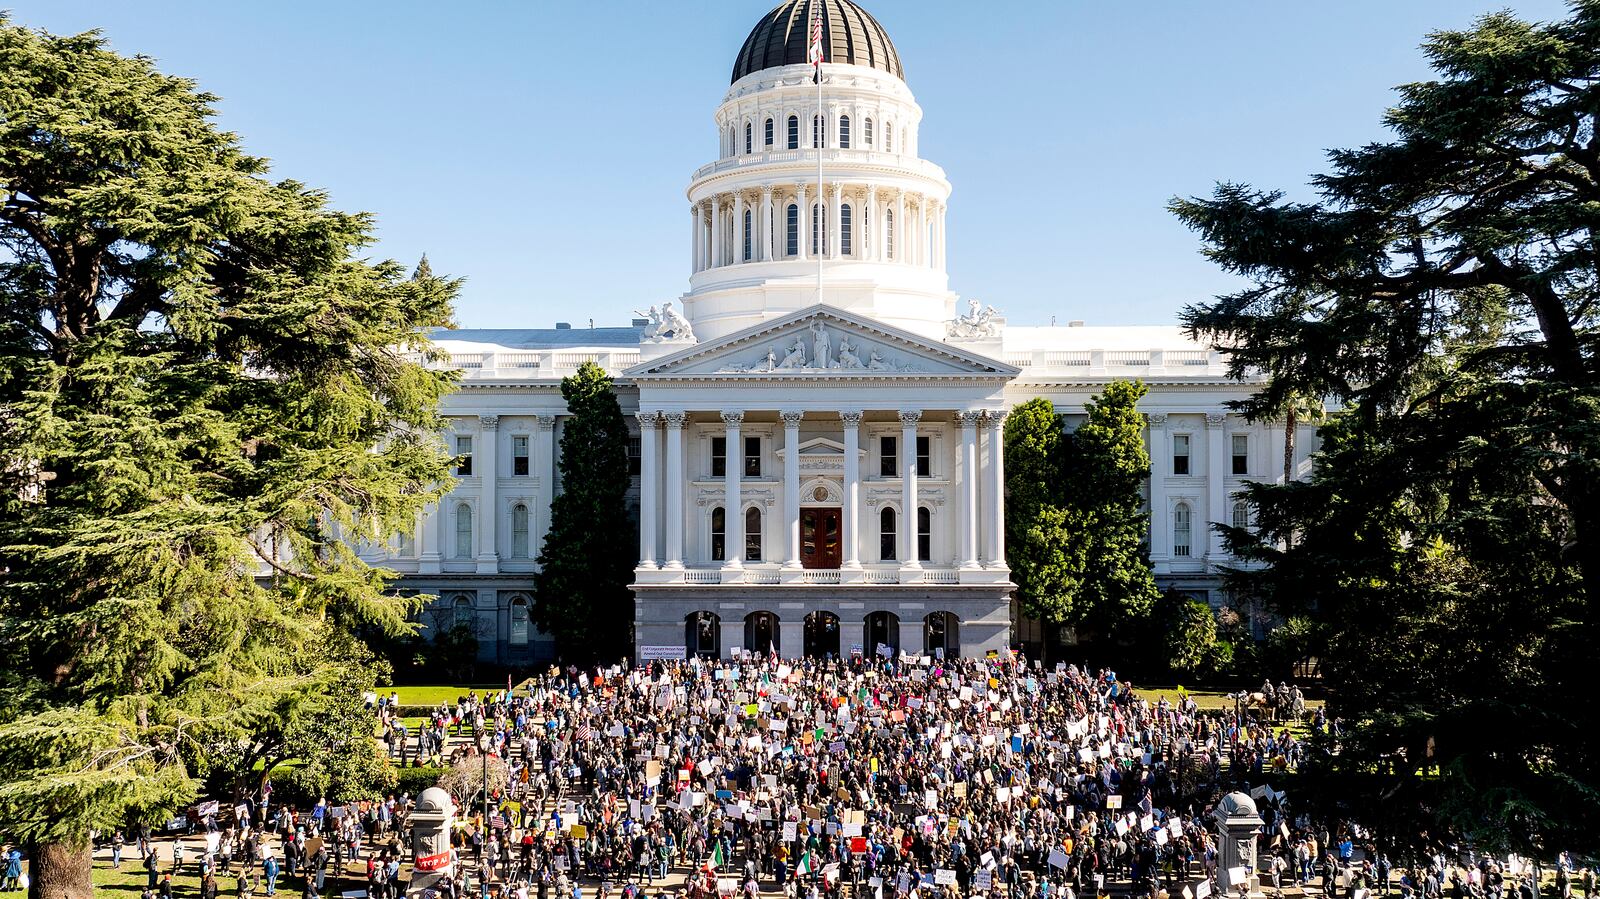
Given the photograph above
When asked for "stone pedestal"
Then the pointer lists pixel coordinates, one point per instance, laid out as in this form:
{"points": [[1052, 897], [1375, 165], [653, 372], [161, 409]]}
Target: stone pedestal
{"points": [[1237, 827], [430, 841]]}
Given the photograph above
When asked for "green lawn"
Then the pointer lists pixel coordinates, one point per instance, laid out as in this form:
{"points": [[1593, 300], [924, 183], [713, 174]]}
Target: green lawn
{"points": [[1207, 700], [434, 694], [129, 881]]}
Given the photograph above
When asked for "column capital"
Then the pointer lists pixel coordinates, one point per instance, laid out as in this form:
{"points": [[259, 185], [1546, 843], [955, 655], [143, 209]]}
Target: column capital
{"points": [[766, 191], [852, 418], [675, 420], [488, 422], [733, 417], [1215, 419], [909, 417], [648, 419], [1157, 419], [791, 417], [997, 417], [969, 418]]}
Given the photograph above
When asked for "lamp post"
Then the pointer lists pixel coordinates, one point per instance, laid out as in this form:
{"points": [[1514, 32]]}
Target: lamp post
{"points": [[483, 747]]}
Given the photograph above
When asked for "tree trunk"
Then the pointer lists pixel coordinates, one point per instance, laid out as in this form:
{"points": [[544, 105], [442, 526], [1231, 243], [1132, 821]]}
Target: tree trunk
{"points": [[1289, 426], [61, 870]]}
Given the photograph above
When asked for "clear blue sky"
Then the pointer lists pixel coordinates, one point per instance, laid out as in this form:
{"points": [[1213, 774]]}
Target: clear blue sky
{"points": [[541, 149]]}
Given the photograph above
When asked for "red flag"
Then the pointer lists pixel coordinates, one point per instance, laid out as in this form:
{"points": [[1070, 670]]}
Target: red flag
{"points": [[815, 53]]}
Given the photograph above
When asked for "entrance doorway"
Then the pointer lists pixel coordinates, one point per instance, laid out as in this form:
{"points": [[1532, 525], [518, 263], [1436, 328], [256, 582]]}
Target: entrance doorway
{"points": [[819, 538], [882, 629], [822, 635], [761, 632]]}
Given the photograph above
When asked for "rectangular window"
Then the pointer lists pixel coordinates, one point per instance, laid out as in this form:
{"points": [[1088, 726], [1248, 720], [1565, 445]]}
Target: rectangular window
{"points": [[924, 457], [634, 443], [769, 133], [1241, 454], [1180, 453], [924, 535], [405, 545], [519, 455], [464, 456], [791, 241], [719, 456], [888, 460], [752, 457]]}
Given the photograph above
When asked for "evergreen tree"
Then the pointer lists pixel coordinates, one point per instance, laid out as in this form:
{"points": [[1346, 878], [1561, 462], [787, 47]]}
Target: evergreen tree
{"points": [[586, 565], [1107, 465], [199, 381], [1075, 525], [1446, 552]]}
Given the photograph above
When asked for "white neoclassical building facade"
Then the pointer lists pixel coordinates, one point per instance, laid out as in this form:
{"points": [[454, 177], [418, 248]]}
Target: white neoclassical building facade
{"points": [[818, 419]]}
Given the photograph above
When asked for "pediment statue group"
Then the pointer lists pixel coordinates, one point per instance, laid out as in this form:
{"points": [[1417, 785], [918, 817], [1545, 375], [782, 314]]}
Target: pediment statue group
{"points": [[813, 350]]}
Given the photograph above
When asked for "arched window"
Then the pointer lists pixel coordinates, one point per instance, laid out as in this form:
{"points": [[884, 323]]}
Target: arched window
{"points": [[844, 132], [794, 132], [752, 534], [461, 611], [519, 622], [463, 531], [886, 535], [748, 236], [888, 137], [1241, 516], [719, 534], [748, 138], [819, 229], [844, 229], [1180, 529], [519, 531], [941, 635], [791, 218], [816, 131], [866, 133], [731, 145], [702, 634], [888, 234], [767, 135], [924, 534]]}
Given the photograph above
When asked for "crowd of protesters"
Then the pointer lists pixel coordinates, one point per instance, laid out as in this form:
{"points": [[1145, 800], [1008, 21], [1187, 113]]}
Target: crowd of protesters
{"points": [[895, 778]]}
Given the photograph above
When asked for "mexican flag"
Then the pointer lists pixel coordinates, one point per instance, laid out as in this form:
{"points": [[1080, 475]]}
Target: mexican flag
{"points": [[806, 866], [717, 859]]}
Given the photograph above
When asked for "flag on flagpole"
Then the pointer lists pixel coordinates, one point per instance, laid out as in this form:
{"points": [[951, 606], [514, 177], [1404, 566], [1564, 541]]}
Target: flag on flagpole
{"points": [[805, 865], [815, 53], [716, 855]]}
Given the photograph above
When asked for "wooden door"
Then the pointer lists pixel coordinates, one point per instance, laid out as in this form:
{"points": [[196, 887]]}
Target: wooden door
{"points": [[819, 538]]}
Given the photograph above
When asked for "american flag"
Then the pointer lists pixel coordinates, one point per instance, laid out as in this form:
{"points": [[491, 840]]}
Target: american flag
{"points": [[815, 54]]}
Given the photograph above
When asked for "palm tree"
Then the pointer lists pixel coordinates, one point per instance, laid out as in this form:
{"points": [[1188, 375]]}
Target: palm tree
{"points": [[1297, 407]]}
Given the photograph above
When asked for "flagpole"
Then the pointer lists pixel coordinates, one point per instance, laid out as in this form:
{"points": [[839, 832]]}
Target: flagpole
{"points": [[820, 133]]}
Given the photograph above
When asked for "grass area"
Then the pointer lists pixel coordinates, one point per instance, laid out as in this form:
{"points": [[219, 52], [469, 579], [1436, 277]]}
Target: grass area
{"points": [[129, 881], [1207, 700], [433, 694]]}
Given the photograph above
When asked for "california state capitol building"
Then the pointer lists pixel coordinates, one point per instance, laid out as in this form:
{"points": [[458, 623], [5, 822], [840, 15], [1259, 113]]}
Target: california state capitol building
{"points": [[817, 469]]}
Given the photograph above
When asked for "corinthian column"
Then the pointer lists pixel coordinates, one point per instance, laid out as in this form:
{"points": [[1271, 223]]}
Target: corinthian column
{"points": [[997, 488], [908, 488], [849, 526], [673, 480], [732, 509], [791, 487], [649, 486]]}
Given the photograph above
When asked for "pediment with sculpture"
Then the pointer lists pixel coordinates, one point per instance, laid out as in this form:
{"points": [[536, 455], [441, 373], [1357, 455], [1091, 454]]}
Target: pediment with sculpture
{"points": [[822, 342]]}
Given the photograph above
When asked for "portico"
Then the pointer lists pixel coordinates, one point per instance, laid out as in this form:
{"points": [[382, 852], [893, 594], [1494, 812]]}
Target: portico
{"points": [[819, 464]]}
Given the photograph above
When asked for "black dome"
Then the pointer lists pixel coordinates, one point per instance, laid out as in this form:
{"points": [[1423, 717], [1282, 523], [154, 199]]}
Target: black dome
{"points": [[849, 35]]}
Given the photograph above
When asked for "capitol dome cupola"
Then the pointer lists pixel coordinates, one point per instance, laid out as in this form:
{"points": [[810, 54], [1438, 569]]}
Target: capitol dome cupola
{"points": [[850, 36]]}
